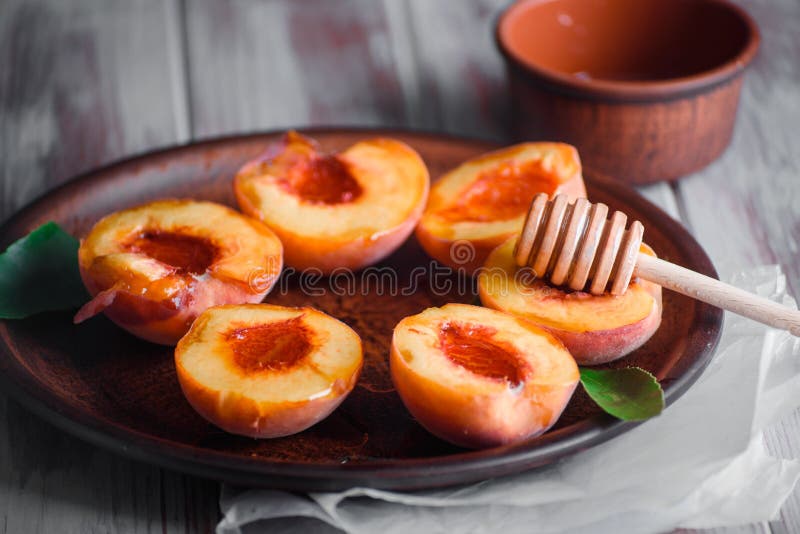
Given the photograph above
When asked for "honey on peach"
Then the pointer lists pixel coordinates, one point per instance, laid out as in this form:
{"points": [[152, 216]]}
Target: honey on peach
{"points": [[595, 329], [267, 371], [154, 268], [483, 201], [479, 378], [344, 210]]}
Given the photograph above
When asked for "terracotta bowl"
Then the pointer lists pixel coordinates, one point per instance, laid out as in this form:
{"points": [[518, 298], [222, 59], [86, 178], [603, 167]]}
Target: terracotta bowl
{"points": [[647, 90]]}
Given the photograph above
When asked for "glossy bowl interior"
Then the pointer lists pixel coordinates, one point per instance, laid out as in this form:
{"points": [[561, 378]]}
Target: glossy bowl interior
{"points": [[629, 41]]}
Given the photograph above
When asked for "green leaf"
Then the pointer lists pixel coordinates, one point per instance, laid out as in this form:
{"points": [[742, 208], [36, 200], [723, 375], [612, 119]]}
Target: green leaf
{"points": [[630, 394], [40, 273]]}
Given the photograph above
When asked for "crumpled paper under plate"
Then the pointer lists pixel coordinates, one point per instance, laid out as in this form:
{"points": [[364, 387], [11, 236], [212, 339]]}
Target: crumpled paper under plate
{"points": [[702, 463]]}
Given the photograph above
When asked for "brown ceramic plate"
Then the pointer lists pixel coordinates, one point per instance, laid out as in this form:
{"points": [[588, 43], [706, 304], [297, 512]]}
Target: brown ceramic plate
{"points": [[100, 383]]}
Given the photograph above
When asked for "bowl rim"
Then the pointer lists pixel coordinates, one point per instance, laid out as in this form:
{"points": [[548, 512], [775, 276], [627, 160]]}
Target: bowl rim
{"points": [[638, 90]]}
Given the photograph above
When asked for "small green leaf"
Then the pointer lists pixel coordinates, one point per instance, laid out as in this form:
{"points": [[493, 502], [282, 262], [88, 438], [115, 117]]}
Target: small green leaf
{"points": [[40, 273], [630, 394]]}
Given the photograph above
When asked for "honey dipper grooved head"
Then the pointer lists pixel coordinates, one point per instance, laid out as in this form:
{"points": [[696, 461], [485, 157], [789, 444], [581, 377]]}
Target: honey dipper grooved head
{"points": [[575, 245]]}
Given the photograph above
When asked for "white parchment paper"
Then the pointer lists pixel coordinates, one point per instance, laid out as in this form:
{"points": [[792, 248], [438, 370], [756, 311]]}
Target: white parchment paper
{"points": [[702, 463]]}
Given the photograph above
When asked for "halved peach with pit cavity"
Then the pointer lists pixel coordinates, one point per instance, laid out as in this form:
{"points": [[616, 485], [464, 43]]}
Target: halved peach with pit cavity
{"points": [[344, 210], [476, 206], [267, 371], [479, 378], [154, 268], [595, 329]]}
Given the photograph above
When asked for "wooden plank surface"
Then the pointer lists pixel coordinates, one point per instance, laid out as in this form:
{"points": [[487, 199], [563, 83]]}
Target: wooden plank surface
{"points": [[266, 65], [82, 84], [460, 79], [95, 80], [745, 208]]}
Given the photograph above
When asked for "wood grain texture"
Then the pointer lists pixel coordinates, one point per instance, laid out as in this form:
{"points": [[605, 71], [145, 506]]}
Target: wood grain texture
{"points": [[459, 83], [661, 195], [745, 208], [78, 93], [753, 190], [244, 74], [84, 83], [264, 65], [722, 295]]}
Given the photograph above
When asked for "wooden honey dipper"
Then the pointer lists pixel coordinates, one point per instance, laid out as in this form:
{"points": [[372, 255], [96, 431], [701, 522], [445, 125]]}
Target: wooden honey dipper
{"points": [[574, 243]]}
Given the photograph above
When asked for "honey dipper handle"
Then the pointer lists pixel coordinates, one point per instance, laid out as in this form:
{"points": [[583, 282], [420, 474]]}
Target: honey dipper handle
{"points": [[717, 293]]}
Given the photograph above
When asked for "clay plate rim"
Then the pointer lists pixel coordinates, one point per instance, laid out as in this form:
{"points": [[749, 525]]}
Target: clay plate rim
{"points": [[400, 474]]}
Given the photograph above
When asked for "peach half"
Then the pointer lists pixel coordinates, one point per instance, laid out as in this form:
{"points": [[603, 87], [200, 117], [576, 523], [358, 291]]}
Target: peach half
{"points": [[482, 202], [267, 371], [154, 268], [595, 329], [479, 378], [344, 210]]}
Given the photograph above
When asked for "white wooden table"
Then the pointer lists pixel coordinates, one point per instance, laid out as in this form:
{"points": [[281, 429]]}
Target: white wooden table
{"points": [[85, 82]]}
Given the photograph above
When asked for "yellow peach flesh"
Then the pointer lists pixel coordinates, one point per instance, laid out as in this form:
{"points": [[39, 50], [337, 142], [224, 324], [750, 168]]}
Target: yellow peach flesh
{"points": [[475, 407], [155, 267], [259, 399], [361, 227], [484, 200], [595, 329]]}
